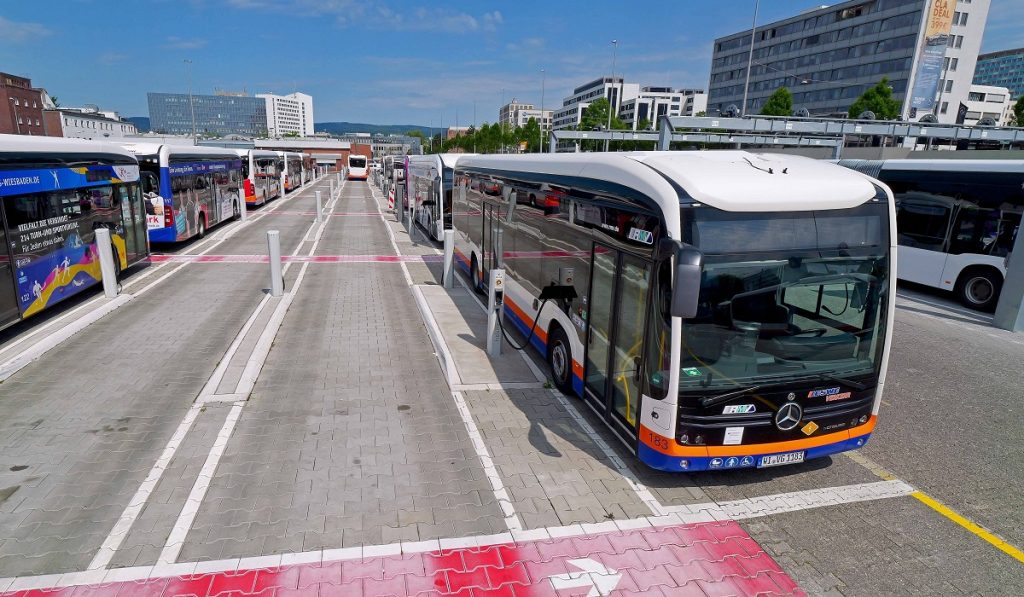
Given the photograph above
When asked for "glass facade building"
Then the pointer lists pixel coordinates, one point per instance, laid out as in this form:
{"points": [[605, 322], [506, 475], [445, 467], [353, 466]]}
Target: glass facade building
{"points": [[1002, 69], [828, 57], [171, 113]]}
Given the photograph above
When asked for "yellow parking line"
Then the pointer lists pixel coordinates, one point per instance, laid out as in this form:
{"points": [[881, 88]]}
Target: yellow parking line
{"points": [[942, 509]]}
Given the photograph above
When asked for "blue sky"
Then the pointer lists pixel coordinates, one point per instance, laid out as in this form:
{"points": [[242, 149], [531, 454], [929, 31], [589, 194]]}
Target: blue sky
{"points": [[379, 61]]}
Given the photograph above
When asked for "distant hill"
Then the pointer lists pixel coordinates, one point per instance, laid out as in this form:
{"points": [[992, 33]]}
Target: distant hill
{"points": [[345, 128], [140, 122]]}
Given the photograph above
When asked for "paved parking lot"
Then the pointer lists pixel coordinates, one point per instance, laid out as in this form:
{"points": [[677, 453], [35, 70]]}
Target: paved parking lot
{"points": [[204, 437]]}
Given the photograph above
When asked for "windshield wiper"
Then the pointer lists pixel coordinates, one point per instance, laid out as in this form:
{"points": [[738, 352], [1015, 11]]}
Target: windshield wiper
{"points": [[713, 400], [848, 382]]}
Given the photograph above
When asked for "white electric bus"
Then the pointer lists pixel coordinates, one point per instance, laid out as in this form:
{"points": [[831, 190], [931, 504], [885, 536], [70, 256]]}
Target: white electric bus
{"points": [[718, 309], [262, 179], [430, 189], [293, 175], [957, 221], [357, 169]]}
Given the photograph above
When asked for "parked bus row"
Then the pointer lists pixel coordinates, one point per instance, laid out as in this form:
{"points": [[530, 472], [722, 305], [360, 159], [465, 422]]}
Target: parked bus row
{"points": [[54, 194]]}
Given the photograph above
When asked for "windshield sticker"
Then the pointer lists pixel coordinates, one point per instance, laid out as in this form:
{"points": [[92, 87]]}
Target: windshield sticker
{"points": [[820, 393], [692, 372], [739, 409], [733, 436], [809, 428], [835, 397], [642, 236]]}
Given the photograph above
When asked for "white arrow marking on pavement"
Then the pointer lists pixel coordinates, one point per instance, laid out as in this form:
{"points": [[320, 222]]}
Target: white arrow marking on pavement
{"points": [[601, 580]]}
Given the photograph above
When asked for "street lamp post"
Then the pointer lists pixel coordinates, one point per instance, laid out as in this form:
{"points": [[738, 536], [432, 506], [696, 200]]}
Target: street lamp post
{"points": [[17, 122], [191, 103], [615, 47], [750, 59], [501, 117], [543, 76]]}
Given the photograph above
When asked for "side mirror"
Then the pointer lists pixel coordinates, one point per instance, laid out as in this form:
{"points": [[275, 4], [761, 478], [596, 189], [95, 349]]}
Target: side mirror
{"points": [[686, 291]]}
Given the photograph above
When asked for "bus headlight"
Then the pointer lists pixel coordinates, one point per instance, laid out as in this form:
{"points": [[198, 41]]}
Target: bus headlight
{"points": [[863, 419]]}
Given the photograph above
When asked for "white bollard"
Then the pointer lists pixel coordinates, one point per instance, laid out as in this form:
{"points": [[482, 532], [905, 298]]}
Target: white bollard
{"points": [[319, 208], [107, 270], [448, 273], [274, 249], [243, 211]]}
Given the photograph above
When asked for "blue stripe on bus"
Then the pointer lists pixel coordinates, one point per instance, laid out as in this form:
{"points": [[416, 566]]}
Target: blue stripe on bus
{"points": [[664, 462]]}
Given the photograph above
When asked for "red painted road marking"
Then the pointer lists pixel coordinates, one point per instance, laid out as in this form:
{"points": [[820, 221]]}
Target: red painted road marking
{"points": [[702, 559], [297, 258], [341, 214]]}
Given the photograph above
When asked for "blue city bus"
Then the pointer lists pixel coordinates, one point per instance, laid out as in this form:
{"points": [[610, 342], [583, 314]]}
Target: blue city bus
{"points": [[188, 189], [54, 195]]}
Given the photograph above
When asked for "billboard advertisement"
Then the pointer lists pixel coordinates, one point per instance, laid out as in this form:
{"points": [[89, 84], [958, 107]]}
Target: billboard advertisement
{"points": [[938, 22]]}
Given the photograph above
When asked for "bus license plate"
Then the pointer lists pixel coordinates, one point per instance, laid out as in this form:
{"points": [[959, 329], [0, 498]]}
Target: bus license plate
{"points": [[781, 459]]}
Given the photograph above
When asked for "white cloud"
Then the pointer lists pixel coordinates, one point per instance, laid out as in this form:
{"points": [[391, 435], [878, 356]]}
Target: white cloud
{"points": [[17, 32], [376, 14], [111, 58], [178, 43]]}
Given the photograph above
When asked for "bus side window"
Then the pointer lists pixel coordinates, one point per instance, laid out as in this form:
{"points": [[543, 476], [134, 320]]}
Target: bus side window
{"points": [[922, 224], [974, 231], [149, 183]]}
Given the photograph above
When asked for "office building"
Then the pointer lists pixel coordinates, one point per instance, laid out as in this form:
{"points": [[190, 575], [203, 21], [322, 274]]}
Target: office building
{"points": [[1002, 69], [616, 91], [290, 114], [215, 115], [21, 111], [516, 113], [654, 102], [88, 123], [986, 101], [829, 56]]}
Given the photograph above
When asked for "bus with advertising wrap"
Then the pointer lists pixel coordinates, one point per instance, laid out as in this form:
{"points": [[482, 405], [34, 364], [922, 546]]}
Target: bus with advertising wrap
{"points": [[54, 195], [262, 182], [430, 189], [718, 309], [188, 189], [957, 221]]}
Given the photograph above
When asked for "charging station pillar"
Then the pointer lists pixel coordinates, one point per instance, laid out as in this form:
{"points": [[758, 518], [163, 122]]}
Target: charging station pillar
{"points": [[1009, 313], [495, 300]]}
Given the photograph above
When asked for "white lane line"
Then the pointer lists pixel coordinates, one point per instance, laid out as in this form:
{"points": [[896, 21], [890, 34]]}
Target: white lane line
{"points": [[452, 377], [131, 513], [642, 491], [176, 539], [791, 502], [981, 317], [774, 504], [124, 524]]}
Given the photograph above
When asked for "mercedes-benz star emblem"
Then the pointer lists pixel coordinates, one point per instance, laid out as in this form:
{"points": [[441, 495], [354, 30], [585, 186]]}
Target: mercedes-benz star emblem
{"points": [[788, 416]]}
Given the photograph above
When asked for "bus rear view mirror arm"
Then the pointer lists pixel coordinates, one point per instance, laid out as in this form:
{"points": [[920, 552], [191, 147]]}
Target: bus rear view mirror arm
{"points": [[685, 293]]}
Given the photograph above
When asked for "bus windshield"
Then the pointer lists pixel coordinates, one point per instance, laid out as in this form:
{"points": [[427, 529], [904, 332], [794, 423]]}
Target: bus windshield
{"points": [[357, 162], [786, 297]]}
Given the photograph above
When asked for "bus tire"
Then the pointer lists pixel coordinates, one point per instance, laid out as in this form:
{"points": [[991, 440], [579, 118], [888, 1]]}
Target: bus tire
{"points": [[978, 288], [559, 357], [201, 225], [474, 275]]}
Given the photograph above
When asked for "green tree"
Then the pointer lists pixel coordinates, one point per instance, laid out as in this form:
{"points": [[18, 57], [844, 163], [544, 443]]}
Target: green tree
{"points": [[290, 135], [1018, 112], [595, 118], [779, 103], [532, 136], [877, 99]]}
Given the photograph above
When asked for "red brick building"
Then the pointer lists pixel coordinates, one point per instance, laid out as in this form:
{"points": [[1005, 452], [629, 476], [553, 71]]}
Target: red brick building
{"points": [[21, 112]]}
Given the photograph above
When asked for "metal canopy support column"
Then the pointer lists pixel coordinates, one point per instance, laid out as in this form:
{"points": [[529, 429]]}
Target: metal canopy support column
{"points": [[664, 134], [1010, 310]]}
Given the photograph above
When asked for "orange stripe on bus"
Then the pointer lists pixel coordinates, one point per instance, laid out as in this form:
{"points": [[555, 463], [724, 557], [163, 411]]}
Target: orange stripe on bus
{"points": [[668, 445], [542, 334]]}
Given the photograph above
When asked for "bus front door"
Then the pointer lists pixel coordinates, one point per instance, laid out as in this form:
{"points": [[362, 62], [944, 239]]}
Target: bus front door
{"points": [[616, 316], [9, 310]]}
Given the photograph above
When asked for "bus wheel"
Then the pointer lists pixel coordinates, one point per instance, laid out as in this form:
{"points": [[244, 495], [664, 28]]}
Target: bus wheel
{"points": [[201, 226], [979, 289], [560, 360], [474, 275]]}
